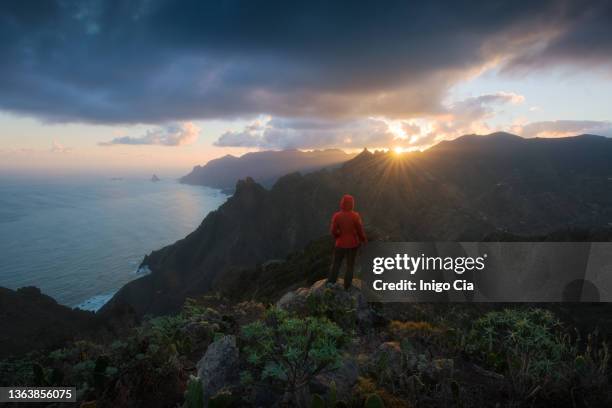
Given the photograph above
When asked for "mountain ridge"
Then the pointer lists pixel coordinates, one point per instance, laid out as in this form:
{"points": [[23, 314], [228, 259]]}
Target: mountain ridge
{"points": [[265, 166], [31, 320], [459, 191]]}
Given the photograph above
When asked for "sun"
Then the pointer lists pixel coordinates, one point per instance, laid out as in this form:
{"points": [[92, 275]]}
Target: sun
{"points": [[398, 150]]}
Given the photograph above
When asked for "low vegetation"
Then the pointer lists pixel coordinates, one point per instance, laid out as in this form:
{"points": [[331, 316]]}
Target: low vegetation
{"points": [[467, 357], [288, 352]]}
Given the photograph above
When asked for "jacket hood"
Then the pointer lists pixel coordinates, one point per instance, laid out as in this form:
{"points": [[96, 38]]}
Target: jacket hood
{"points": [[347, 203]]}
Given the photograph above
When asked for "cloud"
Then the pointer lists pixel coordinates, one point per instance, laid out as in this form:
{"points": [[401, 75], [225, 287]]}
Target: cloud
{"points": [[171, 135], [250, 136], [283, 133], [461, 117], [563, 128], [584, 39], [57, 147], [477, 108], [155, 61]]}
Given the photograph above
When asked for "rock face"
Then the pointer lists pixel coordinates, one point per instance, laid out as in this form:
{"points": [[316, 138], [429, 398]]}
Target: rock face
{"points": [[31, 320], [461, 190], [219, 366]]}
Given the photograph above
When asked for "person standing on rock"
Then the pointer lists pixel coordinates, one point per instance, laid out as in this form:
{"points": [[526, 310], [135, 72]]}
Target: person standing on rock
{"points": [[347, 228]]}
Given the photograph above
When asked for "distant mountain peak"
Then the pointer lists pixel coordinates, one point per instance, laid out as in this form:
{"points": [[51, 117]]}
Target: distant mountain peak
{"points": [[364, 156], [265, 166], [495, 136], [495, 139], [365, 153], [591, 136], [505, 135]]}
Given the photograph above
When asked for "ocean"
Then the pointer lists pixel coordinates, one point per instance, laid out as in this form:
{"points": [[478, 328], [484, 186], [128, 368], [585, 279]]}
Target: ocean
{"points": [[80, 240]]}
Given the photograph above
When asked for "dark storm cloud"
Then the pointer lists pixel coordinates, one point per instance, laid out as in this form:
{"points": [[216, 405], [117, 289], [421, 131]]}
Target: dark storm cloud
{"points": [[157, 61], [586, 39]]}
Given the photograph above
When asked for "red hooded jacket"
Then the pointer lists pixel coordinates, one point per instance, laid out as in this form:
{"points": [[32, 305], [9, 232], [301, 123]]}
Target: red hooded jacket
{"points": [[346, 225]]}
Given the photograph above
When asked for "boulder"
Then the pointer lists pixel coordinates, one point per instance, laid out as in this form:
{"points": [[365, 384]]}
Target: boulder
{"points": [[329, 298], [437, 369], [218, 368], [292, 302]]}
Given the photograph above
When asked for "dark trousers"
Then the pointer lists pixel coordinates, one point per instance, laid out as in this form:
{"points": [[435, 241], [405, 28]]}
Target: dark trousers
{"points": [[339, 254]]}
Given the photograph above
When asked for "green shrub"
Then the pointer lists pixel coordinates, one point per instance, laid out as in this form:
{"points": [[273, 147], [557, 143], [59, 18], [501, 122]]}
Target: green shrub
{"points": [[291, 351], [527, 345], [590, 366], [336, 305], [144, 364], [169, 329], [17, 371], [519, 337], [538, 358], [331, 401], [374, 401], [317, 402], [194, 394]]}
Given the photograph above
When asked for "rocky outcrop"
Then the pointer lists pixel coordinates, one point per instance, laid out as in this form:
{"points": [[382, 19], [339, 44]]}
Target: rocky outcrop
{"points": [[333, 299], [219, 367]]}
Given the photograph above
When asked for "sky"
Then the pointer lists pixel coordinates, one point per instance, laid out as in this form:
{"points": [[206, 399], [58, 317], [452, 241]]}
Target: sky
{"points": [[158, 86]]}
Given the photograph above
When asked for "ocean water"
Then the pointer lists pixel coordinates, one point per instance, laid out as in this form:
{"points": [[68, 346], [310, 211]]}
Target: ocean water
{"points": [[80, 240]]}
